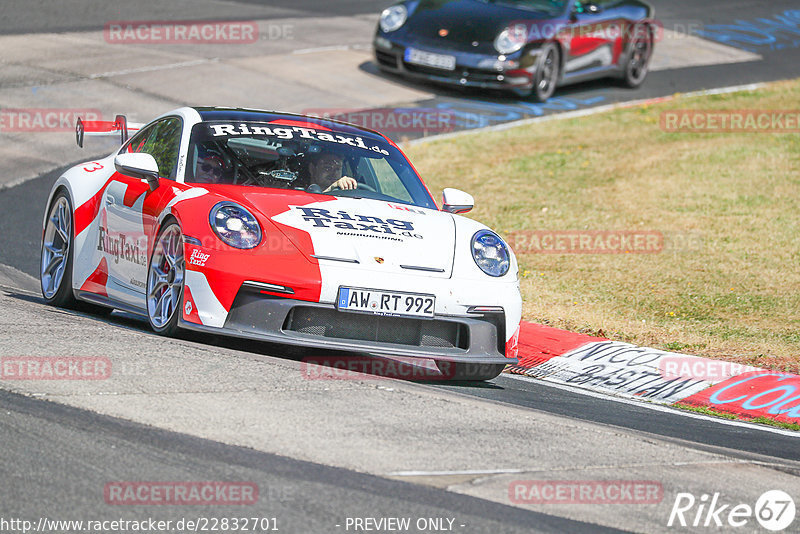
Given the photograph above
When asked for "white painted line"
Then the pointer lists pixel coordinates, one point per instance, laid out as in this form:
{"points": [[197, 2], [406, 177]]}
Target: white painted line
{"points": [[550, 470], [650, 406], [467, 472], [332, 48], [123, 72], [587, 112]]}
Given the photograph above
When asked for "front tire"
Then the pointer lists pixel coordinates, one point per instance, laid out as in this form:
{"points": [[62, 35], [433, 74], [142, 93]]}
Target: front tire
{"points": [[165, 278], [470, 371], [55, 266], [639, 55]]}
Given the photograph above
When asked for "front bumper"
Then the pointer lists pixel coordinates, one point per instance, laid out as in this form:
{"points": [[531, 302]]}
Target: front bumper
{"points": [[256, 315], [476, 70]]}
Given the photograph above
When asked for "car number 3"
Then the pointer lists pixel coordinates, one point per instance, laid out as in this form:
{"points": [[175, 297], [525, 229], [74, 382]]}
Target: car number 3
{"points": [[94, 167]]}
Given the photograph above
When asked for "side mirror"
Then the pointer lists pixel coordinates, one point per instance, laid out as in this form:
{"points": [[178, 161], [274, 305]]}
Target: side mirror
{"points": [[456, 201], [138, 165], [590, 8]]}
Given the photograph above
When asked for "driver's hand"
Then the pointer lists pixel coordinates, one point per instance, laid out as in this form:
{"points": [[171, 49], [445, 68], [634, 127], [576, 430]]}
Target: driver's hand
{"points": [[345, 182]]}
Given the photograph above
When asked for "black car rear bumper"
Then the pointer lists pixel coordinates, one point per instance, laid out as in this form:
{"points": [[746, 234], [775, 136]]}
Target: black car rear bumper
{"points": [[469, 71]]}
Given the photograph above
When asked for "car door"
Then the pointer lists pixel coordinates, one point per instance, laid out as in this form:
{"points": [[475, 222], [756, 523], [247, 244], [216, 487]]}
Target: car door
{"points": [[132, 209], [595, 37]]}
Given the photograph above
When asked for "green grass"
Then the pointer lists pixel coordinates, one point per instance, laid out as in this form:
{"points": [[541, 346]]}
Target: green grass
{"points": [[714, 413], [726, 285]]}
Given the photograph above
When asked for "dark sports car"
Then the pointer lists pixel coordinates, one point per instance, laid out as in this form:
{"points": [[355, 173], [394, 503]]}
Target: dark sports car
{"points": [[527, 46]]}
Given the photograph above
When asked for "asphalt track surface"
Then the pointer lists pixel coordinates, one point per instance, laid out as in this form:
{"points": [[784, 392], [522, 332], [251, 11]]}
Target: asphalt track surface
{"points": [[67, 437], [20, 241], [82, 451], [22, 16]]}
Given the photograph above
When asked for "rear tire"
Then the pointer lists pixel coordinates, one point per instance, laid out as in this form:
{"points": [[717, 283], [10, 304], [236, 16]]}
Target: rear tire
{"points": [[548, 67], [470, 371], [165, 278], [55, 265]]}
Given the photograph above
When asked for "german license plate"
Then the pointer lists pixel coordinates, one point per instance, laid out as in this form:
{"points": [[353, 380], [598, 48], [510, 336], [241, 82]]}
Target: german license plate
{"points": [[429, 59], [351, 299]]}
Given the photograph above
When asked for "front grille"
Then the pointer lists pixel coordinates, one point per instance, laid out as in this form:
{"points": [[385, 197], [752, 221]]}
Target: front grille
{"points": [[384, 58], [473, 75], [364, 327]]}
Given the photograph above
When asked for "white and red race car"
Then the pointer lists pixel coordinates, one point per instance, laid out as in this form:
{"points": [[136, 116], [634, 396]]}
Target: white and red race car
{"points": [[224, 221]]}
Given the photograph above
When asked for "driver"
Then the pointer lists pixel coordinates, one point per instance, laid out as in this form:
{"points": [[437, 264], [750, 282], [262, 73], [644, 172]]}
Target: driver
{"points": [[325, 170], [209, 168]]}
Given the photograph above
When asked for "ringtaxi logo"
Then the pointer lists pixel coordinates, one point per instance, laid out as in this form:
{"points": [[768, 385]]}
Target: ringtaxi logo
{"points": [[774, 510], [199, 258]]}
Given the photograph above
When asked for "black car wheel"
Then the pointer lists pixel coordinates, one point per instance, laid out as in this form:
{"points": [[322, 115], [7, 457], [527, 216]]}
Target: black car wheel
{"points": [[640, 51], [548, 67]]}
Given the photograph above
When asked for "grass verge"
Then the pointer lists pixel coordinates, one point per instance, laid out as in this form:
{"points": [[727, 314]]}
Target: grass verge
{"points": [[726, 284], [760, 419]]}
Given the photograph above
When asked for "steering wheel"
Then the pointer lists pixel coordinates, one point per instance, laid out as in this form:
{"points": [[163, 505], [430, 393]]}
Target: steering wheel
{"points": [[359, 185]]}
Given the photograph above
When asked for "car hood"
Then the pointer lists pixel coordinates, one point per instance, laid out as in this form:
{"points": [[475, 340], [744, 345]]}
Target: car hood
{"points": [[466, 21], [370, 234]]}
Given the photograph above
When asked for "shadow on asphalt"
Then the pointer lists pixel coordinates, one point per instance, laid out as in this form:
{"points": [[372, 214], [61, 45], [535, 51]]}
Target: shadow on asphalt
{"points": [[317, 364]]}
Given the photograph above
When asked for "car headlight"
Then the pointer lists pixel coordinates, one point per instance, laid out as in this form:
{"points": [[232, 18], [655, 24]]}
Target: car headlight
{"points": [[393, 17], [511, 39], [490, 253], [235, 226]]}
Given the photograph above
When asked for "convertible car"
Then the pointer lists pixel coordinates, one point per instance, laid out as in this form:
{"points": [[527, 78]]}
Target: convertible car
{"points": [[223, 221], [529, 47]]}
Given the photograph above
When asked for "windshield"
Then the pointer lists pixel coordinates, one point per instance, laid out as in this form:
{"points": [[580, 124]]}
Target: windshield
{"points": [[311, 157]]}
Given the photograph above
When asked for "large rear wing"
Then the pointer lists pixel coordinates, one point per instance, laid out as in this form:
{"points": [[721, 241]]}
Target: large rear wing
{"points": [[118, 127]]}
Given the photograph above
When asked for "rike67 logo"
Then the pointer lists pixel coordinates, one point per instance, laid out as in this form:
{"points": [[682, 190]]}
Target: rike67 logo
{"points": [[774, 510]]}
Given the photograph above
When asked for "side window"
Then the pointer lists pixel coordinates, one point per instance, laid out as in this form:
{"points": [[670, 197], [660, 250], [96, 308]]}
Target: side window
{"points": [[138, 141], [164, 145], [161, 140]]}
